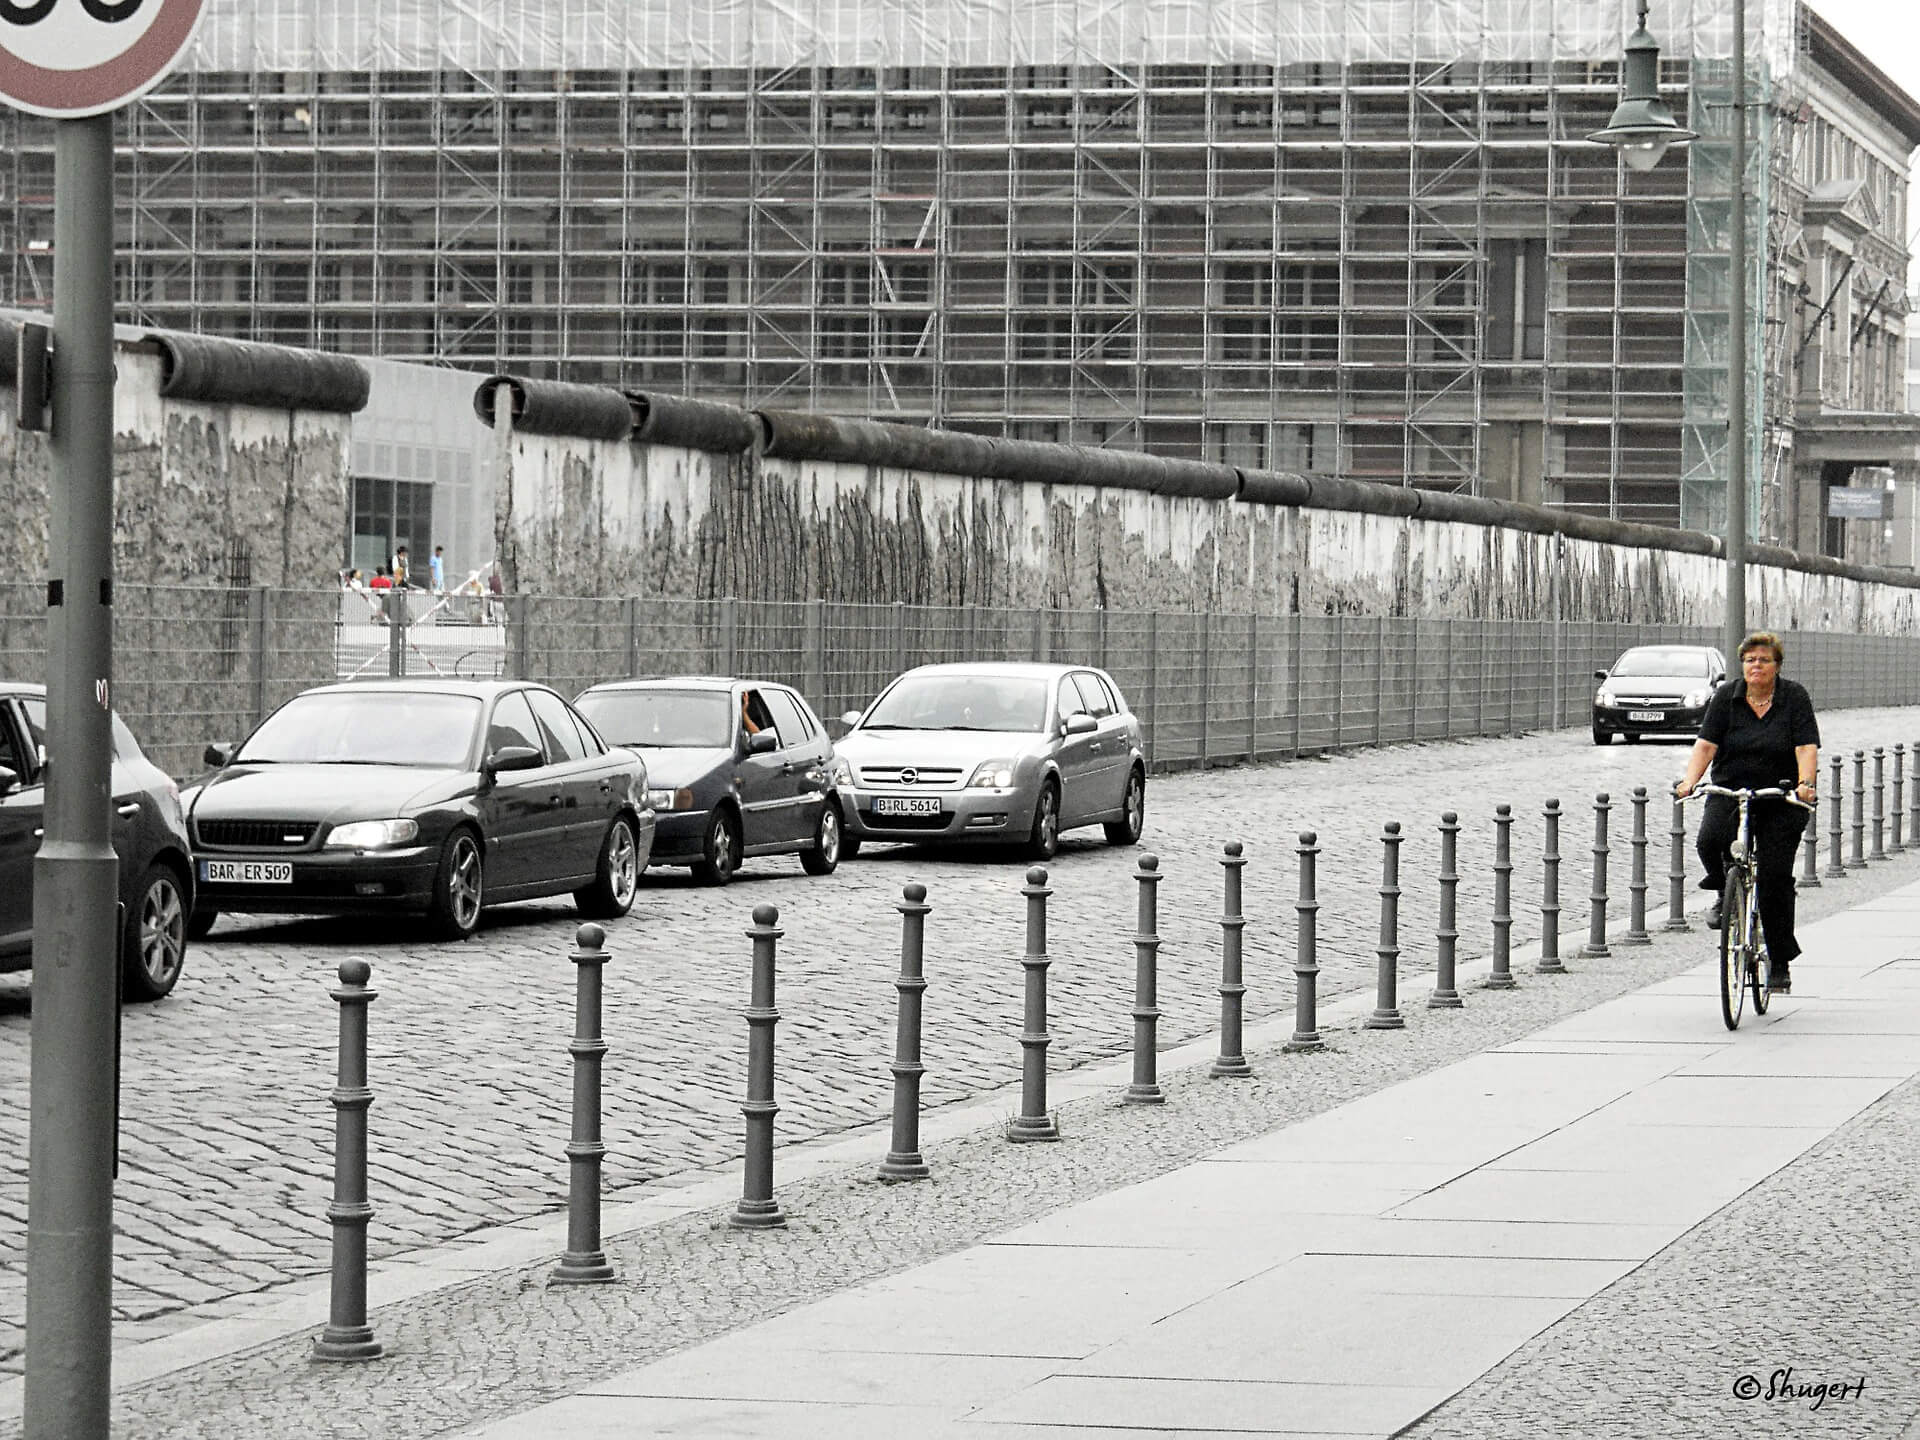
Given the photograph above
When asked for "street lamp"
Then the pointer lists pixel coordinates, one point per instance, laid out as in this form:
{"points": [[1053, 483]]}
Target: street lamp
{"points": [[1643, 129]]}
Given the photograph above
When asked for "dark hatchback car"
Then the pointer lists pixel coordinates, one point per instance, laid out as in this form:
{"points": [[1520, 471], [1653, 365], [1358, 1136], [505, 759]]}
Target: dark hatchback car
{"points": [[434, 796], [738, 768], [1656, 690], [149, 836]]}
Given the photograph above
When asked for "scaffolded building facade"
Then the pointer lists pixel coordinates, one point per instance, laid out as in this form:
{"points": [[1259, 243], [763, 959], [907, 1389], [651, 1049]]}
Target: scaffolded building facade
{"points": [[1355, 237]]}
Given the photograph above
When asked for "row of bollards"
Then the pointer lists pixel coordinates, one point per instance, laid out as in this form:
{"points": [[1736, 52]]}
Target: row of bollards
{"points": [[347, 1335]]}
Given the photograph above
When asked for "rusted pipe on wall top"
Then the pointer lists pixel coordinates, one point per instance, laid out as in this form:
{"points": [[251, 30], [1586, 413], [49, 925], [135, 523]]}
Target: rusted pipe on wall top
{"points": [[241, 372]]}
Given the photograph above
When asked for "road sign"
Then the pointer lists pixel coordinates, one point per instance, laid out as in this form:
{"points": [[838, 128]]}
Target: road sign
{"points": [[1857, 502], [72, 58]]}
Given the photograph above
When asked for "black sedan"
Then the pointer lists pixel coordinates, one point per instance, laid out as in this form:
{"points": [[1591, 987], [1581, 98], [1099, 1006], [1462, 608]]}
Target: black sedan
{"points": [[738, 767], [149, 837], [432, 796]]}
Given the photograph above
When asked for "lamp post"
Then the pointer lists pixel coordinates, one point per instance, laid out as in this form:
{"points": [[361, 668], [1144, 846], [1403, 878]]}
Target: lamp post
{"points": [[1643, 129]]}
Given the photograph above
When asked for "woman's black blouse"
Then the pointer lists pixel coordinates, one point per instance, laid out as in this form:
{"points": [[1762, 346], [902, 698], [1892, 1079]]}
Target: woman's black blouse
{"points": [[1756, 751]]}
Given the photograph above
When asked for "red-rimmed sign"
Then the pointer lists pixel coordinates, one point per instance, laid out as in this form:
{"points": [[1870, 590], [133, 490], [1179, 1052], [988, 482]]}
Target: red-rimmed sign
{"points": [[71, 58]]}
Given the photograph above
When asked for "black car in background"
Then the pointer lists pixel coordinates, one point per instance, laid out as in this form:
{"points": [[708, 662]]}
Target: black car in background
{"points": [[738, 768], [149, 836], [438, 797]]}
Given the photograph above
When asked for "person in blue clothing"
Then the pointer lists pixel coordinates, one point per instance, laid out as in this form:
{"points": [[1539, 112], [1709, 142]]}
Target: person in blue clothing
{"points": [[1758, 731], [437, 570]]}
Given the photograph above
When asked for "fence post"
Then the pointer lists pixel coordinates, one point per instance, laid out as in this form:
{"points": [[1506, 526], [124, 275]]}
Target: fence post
{"points": [[1339, 680], [730, 635], [1502, 976], [348, 1336], [518, 645], [1253, 687], [584, 1262], [899, 637], [1386, 1012], [1379, 672], [1445, 995], [1206, 687], [758, 1210], [1145, 1089], [1836, 864], [1038, 647], [1597, 914], [1295, 624], [1550, 962], [630, 622], [1896, 813], [817, 653], [1677, 871], [1231, 1060], [397, 622], [904, 1160], [1306, 966], [1153, 684], [1480, 691], [1637, 881], [1856, 851], [1879, 802], [1033, 1122], [259, 611], [1446, 678]]}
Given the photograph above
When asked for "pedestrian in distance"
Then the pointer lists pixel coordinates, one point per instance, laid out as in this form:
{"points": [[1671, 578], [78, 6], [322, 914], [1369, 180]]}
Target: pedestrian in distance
{"points": [[400, 564], [1758, 731], [437, 569]]}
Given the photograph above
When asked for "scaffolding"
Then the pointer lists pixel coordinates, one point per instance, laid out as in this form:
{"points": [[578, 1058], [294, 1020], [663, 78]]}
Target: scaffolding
{"points": [[1353, 237]]}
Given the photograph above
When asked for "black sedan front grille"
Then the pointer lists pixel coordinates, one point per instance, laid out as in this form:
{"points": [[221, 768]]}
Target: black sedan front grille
{"points": [[254, 834]]}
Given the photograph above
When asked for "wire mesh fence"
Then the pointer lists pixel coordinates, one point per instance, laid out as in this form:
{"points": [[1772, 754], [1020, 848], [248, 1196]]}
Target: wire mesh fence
{"points": [[194, 664]]}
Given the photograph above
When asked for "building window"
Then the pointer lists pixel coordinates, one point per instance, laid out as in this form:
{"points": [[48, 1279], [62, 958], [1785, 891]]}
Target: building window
{"points": [[1307, 312], [386, 515], [1516, 305]]}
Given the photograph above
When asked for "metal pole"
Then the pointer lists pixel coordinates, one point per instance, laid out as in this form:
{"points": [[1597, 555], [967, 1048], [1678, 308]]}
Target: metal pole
{"points": [[1897, 811], [1033, 1122], [1810, 856], [1597, 913], [348, 1336], [1386, 1014], [1736, 542], [1145, 1089], [1447, 936], [904, 1160], [1879, 802], [1502, 976], [758, 1210], [397, 620], [1836, 864], [1677, 871], [585, 1263], [76, 876], [1232, 923], [1856, 849], [1306, 966], [1637, 884], [1550, 962]]}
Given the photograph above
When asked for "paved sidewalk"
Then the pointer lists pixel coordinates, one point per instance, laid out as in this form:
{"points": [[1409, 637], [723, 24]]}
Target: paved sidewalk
{"points": [[1347, 1274]]}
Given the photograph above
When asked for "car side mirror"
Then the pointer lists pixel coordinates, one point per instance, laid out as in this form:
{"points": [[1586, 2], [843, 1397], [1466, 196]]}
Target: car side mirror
{"points": [[762, 742], [1079, 723], [9, 780], [513, 757], [1721, 678], [219, 754], [851, 718], [1599, 674]]}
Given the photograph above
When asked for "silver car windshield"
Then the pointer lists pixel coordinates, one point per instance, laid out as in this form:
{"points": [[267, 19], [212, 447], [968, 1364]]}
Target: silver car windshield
{"points": [[1676, 663], [371, 727], [667, 719], [962, 702]]}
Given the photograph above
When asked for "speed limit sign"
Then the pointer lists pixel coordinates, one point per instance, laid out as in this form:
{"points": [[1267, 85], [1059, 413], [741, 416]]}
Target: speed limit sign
{"points": [[72, 58]]}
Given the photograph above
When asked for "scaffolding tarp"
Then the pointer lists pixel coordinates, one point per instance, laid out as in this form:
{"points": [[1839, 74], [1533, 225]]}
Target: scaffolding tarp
{"points": [[385, 35]]}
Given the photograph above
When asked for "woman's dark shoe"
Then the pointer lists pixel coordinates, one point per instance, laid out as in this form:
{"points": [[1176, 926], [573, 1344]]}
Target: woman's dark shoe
{"points": [[1713, 916], [1780, 980]]}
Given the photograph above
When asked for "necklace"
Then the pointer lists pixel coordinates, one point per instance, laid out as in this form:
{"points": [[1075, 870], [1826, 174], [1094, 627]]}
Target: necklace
{"points": [[1761, 705]]}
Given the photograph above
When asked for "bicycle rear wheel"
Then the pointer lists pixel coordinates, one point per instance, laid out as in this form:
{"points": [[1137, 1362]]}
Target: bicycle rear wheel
{"points": [[1733, 948]]}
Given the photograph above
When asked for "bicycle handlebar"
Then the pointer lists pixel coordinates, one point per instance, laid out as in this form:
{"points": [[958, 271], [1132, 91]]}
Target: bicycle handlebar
{"points": [[1783, 791]]}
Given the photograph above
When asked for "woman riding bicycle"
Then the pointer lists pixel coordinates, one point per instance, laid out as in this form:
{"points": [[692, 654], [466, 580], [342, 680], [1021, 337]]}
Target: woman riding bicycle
{"points": [[1758, 731]]}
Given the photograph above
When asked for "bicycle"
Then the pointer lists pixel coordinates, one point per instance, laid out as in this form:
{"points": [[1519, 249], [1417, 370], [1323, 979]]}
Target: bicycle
{"points": [[1744, 963]]}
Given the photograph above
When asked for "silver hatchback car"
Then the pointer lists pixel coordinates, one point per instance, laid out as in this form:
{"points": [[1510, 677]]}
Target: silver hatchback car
{"points": [[1003, 753]]}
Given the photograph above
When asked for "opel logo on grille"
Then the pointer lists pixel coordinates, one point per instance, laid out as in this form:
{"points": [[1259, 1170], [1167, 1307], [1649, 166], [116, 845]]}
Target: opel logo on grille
{"points": [[909, 776]]}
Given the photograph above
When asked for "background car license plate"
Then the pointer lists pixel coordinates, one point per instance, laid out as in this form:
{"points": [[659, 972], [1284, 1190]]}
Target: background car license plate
{"points": [[906, 805], [247, 872], [1646, 715]]}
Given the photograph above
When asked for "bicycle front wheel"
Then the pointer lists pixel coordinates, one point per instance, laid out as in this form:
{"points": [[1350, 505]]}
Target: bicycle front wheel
{"points": [[1733, 948]]}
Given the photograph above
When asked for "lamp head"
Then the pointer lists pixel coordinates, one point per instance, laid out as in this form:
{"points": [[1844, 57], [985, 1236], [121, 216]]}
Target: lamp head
{"points": [[1642, 127]]}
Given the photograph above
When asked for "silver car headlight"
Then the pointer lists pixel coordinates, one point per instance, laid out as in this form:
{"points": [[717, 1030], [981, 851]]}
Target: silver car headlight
{"points": [[1605, 697], [842, 772], [1696, 698], [681, 799], [991, 775], [372, 835]]}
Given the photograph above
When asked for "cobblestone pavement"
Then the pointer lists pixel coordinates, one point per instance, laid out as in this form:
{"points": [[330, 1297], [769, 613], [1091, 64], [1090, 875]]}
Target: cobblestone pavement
{"points": [[225, 1156], [505, 1342]]}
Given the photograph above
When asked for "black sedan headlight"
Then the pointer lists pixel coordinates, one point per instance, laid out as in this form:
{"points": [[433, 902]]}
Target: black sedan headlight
{"points": [[372, 835]]}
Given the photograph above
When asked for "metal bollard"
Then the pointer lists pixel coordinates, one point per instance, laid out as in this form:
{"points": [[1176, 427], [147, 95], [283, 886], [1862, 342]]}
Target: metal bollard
{"points": [[1879, 802], [1677, 871], [1447, 937], [1810, 855], [1836, 864], [1033, 1122], [904, 1160], [1306, 967], [1896, 813], [1637, 884], [1549, 962], [1232, 922], [1502, 976], [585, 1263], [1145, 1089], [1913, 798], [1597, 915], [348, 1336], [758, 1210], [1856, 849], [1386, 1013]]}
